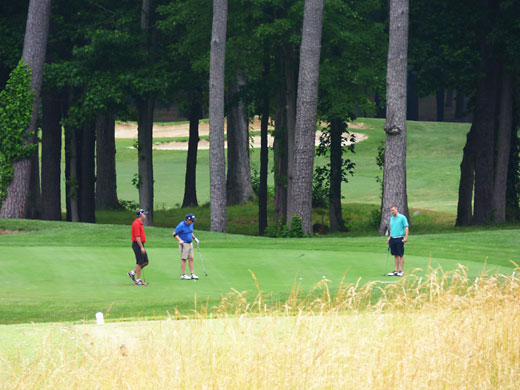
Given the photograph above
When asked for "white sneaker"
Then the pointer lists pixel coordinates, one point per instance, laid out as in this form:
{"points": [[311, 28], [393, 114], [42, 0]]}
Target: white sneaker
{"points": [[195, 277], [185, 277], [395, 273], [400, 273]]}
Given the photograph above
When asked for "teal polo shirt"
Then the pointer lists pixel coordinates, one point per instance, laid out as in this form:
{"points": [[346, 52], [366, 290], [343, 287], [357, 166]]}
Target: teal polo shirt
{"points": [[397, 225]]}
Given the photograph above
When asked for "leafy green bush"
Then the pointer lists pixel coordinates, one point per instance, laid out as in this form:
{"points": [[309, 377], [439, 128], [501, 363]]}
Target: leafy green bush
{"points": [[320, 188], [281, 230], [129, 205], [15, 116]]}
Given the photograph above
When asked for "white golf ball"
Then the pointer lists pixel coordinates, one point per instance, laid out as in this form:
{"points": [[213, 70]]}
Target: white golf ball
{"points": [[301, 278], [323, 276]]}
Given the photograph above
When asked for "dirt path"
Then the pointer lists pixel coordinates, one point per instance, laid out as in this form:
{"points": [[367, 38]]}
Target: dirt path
{"points": [[129, 130]]}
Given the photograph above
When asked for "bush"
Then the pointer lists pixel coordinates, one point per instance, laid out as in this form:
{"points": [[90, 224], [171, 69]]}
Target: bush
{"points": [[281, 230], [375, 218], [320, 191], [129, 205]]}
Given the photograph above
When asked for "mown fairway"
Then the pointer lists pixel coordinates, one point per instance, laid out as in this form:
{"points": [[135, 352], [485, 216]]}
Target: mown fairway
{"points": [[63, 272]]}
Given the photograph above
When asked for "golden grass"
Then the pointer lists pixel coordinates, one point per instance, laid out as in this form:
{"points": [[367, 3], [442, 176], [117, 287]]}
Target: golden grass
{"points": [[442, 331]]}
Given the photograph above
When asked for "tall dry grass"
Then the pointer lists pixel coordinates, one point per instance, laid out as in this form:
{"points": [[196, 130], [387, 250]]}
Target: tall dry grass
{"points": [[441, 331]]}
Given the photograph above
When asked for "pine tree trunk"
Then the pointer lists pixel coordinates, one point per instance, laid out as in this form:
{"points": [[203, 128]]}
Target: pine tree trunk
{"points": [[394, 175], [459, 105], [412, 104], [484, 122], [299, 197], [190, 180], [238, 184], [291, 80], [440, 105], [467, 179], [264, 162], [145, 107], [87, 177], [280, 156], [51, 156], [337, 127], [505, 121], [74, 174], [145, 157], [35, 45], [217, 162], [106, 178], [35, 192], [449, 98], [513, 176]]}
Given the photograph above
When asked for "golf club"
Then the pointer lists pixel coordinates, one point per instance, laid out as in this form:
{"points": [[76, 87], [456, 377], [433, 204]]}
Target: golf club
{"points": [[201, 260], [386, 263]]}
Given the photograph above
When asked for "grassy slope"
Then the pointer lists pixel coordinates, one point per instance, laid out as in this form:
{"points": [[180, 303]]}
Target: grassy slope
{"points": [[63, 271]]}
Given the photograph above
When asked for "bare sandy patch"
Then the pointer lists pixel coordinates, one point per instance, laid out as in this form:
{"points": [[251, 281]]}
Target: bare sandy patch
{"points": [[3, 231], [255, 142], [129, 130]]}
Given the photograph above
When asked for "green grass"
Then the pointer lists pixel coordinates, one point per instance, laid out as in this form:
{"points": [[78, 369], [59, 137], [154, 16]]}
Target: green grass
{"points": [[59, 271]]}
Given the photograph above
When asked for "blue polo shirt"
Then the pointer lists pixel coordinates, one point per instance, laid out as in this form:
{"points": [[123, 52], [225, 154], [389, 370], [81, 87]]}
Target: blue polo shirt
{"points": [[185, 231], [397, 225]]}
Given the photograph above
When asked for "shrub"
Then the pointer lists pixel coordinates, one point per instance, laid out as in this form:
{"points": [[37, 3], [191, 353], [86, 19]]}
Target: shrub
{"points": [[281, 230]]}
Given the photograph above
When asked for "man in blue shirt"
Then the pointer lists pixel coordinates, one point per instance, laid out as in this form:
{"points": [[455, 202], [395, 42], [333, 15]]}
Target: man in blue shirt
{"points": [[396, 239], [184, 234]]}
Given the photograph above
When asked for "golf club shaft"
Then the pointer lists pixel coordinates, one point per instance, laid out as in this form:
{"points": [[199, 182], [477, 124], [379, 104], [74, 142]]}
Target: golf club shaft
{"points": [[386, 263], [202, 260]]}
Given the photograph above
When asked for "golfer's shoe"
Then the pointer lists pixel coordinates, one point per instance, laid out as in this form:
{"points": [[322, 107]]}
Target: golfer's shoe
{"points": [[131, 276], [400, 273], [194, 277], [185, 277], [395, 273], [139, 282]]}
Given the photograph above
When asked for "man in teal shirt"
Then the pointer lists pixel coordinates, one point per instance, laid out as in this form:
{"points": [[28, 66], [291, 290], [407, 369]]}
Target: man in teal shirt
{"points": [[396, 239]]}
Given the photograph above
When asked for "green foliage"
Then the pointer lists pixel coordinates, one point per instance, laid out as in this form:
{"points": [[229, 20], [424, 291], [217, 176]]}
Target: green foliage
{"points": [[296, 229], [136, 180], [380, 161], [375, 218], [129, 205], [281, 230], [320, 187], [15, 116], [255, 182], [321, 179]]}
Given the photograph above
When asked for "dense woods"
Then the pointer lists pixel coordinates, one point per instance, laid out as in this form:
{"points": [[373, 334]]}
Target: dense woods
{"points": [[297, 65]]}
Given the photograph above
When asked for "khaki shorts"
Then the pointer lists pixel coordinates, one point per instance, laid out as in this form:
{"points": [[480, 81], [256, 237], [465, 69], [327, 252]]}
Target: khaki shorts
{"points": [[186, 250]]}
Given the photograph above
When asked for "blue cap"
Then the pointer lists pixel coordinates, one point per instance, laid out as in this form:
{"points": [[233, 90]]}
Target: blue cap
{"points": [[190, 217], [141, 211]]}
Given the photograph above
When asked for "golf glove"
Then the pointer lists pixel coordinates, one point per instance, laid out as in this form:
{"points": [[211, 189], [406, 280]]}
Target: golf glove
{"points": [[196, 241]]}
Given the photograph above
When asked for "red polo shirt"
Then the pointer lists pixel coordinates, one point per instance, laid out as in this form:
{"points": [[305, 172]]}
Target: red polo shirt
{"points": [[138, 231]]}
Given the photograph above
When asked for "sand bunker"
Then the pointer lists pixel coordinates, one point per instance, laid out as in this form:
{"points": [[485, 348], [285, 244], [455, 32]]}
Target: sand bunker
{"points": [[129, 130]]}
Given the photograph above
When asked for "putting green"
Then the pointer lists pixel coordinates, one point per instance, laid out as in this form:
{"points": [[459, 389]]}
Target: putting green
{"points": [[68, 280]]}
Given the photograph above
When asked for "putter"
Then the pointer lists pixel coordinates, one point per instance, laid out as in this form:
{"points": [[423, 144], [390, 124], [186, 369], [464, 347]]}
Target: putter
{"points": [[202, 260], [386, 263]]}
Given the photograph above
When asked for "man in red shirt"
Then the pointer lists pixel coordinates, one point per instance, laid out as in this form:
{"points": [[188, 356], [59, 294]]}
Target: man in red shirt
{"points": [[138, 240]]}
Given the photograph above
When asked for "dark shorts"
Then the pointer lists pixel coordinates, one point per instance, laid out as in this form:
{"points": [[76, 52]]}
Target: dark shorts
{"points": [[139, 257], [396, 246]]}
